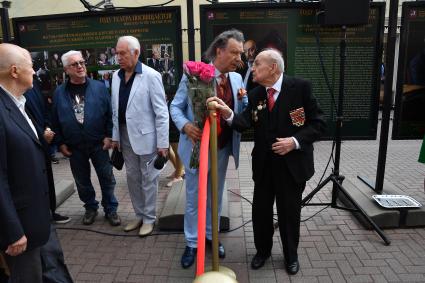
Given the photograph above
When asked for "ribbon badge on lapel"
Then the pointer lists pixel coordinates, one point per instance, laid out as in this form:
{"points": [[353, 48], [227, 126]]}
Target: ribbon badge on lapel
{"points": [[262, 104], [297, 117], [241, 93]]}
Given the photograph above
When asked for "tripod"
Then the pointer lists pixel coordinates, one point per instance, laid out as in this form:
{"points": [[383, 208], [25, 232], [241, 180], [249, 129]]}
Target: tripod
{"points": [[335, 177]]}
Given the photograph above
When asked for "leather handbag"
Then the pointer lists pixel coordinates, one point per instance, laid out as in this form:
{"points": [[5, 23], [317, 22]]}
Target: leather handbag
{"points": [[117, 159]]}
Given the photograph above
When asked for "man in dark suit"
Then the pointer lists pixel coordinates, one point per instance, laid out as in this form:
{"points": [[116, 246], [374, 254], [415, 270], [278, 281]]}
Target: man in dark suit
{"points": [[24, 199], [250, 51], [36, 108], [168, 70], [155, 62], [287, 120]]}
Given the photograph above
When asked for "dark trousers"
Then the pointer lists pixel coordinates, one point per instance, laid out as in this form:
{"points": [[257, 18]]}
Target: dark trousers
{"points": [[80, 167], [277, 183], [51, 182], [53, 262], [26, 267]]}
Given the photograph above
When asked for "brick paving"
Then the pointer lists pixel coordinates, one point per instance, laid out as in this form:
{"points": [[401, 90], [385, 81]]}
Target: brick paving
{"points": [[334, 247]]}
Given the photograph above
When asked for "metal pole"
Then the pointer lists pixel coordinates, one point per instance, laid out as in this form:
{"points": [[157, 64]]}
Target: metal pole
{"points": [[4, 14], [386, 110], [190, 30], [340, 111], [214, 185]]}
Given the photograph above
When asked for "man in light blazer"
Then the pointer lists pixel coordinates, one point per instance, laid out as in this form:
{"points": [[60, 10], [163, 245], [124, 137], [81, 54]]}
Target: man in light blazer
{"points": [[140, 119], [225, 54]]}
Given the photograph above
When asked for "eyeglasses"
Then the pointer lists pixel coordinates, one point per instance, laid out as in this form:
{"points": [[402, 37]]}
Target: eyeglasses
{"points": [[81, 63]]}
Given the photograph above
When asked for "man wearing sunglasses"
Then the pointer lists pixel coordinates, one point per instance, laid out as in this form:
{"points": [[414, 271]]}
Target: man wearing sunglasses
{"points": [[82, 121]]}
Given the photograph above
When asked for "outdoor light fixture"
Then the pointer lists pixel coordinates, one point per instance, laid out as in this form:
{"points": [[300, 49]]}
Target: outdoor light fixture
{"points": [[6, 4]]}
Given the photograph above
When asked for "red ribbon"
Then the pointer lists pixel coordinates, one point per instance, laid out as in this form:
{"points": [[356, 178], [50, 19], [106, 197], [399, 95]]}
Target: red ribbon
{"points": [[202, 197]]}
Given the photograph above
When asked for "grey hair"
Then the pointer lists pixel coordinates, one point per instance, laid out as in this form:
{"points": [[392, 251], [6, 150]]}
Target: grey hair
{"points": [[65, 56], [275, 57], [221, 41], [133, 43]]}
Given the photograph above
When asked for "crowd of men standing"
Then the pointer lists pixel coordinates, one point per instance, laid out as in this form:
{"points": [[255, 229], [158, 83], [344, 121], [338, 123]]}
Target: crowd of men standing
{"points": [[86, 122]]}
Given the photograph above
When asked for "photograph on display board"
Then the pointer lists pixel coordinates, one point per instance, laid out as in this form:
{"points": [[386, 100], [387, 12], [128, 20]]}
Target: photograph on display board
{"points": [[293, 29], [257, 37], [105, 76], [161, 58], [95, 35], [409, 120]]}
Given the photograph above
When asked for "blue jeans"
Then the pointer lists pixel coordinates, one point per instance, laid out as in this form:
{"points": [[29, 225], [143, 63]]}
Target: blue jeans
{"points": [[80, 168], [191, 211]]}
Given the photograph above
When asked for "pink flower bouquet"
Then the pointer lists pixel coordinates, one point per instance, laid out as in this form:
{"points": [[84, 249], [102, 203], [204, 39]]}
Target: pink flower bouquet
{"points": [[200, 79]]}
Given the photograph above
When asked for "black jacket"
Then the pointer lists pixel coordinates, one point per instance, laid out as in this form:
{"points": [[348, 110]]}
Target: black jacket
{"points": [[295, 93], [24, 200]]}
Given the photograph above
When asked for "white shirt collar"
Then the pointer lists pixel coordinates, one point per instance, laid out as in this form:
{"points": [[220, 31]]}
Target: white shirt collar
{"points": [[277, 85], [20, 102]]}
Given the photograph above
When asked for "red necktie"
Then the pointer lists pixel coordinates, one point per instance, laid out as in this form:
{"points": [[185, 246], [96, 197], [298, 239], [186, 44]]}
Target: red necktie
{"points": [[222, 87], [270, 99]]}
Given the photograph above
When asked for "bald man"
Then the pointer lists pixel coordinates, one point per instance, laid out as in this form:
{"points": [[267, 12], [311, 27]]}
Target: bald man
{"points": [[287, 121], [24, 199]]}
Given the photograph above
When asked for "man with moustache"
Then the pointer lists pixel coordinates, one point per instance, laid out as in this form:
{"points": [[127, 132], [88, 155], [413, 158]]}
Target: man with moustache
{"points": [[225, 55], [24, 199], [82, 122], [140, 118], [286, 120]]}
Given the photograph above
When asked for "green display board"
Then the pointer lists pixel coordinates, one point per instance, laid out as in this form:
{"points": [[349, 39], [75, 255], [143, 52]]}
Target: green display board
{"points": [[409, 116], [292, 28], [95, 35]]}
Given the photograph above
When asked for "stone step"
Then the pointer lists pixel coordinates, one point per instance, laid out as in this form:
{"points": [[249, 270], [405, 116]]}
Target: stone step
{"points": [[64, 189], [383, 217], [172, 215]]}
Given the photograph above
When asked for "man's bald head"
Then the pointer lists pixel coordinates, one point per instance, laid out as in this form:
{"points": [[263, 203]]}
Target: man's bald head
{"points": [[15, 68], [11, 54]]}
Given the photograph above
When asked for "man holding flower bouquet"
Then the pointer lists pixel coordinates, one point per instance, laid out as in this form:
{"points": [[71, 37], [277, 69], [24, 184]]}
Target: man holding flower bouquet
{"points": [[188, 112]]}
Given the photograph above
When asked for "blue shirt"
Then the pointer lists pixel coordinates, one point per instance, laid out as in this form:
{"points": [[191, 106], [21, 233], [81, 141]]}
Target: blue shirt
{"points": [[125, 89]]}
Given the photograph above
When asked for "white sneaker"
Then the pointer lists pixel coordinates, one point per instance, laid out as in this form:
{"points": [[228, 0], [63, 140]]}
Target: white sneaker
{"points": [[146, 229], [133, 225]]}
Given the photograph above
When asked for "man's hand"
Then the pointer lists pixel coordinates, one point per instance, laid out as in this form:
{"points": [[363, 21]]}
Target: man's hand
{"points": [[48, 135], [163, 152], [222, 107], [192, 131], [107, 143], [116, 144], [65, 150], [283, 146], [17, 247]]}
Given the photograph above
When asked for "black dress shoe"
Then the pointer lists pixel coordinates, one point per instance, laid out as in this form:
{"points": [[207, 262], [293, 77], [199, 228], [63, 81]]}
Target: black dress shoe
{"points": [[293, 267], [188, 257], [221, 250], [258, 260]]}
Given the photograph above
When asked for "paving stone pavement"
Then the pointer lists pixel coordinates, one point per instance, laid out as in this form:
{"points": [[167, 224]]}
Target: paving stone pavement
{"points": [[334, 247]]}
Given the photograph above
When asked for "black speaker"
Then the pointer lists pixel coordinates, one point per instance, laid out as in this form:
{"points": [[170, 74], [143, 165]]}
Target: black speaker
{"points": [[345, 12]]}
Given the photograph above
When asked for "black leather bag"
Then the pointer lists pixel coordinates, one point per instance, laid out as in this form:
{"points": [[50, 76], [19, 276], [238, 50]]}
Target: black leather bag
{"points": [[117, 159]]}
